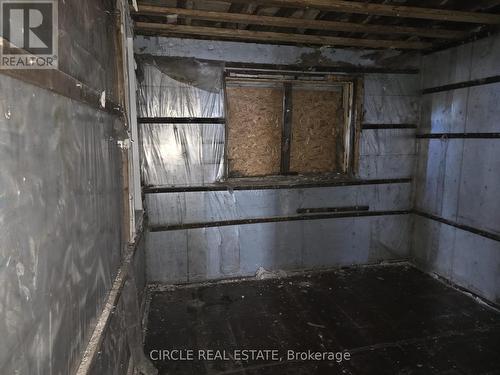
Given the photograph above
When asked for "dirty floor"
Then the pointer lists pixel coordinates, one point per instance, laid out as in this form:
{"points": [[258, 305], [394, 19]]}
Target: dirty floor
{"points": [[390, 319]]}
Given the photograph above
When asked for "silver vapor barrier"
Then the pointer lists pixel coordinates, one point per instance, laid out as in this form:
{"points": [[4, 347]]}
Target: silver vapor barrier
{"points": [[193, 155], [60, 213], [200, 254], [180, 154], [207, 206], [179, 87], [122, 341]]}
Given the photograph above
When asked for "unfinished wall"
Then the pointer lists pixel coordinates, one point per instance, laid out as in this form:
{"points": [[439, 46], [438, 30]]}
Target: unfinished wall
{"points": [[180, 154], [61, 236], [392, 105], [209, 251], [87, 42], [458, 179], [273, 54], [121, 339], [61, 201]]}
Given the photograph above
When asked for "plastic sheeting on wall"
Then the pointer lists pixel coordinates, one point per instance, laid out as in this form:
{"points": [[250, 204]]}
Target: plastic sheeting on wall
{"points": [[180, 154], [60, 243], [207, 206], [179, 87], [121, 347], [185, 154], [200, 254]]}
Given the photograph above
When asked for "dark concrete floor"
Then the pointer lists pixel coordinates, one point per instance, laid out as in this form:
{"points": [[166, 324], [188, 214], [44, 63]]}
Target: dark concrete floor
{"points": [[391, 319]]}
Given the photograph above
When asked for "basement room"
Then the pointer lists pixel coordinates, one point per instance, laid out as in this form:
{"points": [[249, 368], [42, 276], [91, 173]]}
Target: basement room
{"points": [[228, 187]]}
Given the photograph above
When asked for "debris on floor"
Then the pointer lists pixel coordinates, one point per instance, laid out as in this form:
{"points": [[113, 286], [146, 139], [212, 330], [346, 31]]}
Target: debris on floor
{"points": [[263, 274]]}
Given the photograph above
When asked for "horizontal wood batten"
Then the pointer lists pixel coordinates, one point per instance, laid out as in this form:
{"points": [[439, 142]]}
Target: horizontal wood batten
{"points": [[316, 210], [266, 186], [388, 126], [467, 228], [65, 85], [458, 135], [461, 85], [276, 219], [180, 120]]}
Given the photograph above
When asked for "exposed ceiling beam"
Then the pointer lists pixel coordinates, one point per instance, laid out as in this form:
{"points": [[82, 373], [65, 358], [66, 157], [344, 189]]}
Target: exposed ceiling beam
{"points": [[308, 14], [215, 32], [250, 8], [188, 5], [400, 11], [300, 23]]}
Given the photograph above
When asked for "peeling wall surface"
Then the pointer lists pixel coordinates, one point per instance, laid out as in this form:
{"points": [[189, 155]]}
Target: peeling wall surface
{"points": [[458, 179], [271, 54], [184, 155]]}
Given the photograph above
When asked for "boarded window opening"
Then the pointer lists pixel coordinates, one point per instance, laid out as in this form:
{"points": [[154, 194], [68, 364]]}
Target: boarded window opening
{"points": [[254, 133], [317, 143], [264, 139]]}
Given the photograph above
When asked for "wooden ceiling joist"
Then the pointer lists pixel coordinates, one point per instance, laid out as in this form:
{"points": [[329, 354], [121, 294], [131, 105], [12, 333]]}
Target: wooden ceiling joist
{"points": [[399, 11], [298, 23], [235, 34]]}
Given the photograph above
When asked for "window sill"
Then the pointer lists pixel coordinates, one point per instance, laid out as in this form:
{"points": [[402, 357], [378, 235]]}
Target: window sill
{"points": [[289, 180], [274, 182]]}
